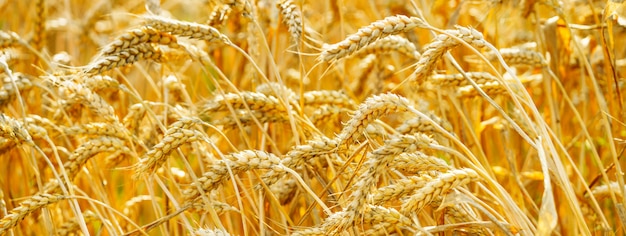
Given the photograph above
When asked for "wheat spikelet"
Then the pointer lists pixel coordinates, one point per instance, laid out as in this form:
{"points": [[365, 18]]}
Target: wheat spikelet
{"points": [[457, 80], [26, 207], [135, 37], [391, 43], [176, 135], [292, 17], [186, 29], [284, 189], [328, 115], [8, 92], [9, 39], [373, 108], [13, 130], [369, 34], [71, 226], [123, 57], [437, 187], [439, 46], [219, 15], [237, 163]]}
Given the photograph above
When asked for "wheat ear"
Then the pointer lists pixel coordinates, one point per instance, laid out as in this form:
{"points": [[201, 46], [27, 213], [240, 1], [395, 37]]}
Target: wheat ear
{"points": [[85, 151], [439, 46], [391, 43], [71, 226], [439, 186], [292, 17], [186, 29], [379, 159], [135, 37], [297, 157], [369, 34], [177, 134], [238, 162], [373, 108], [8, 92], [28, 206], [127, 56], [458, 80]]}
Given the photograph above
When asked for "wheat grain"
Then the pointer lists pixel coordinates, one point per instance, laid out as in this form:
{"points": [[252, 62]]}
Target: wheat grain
{"points": [[369, 34]]}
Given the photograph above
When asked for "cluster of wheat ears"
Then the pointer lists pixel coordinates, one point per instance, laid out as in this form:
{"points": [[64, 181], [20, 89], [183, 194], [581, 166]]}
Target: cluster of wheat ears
{"points": [[298, 117]]}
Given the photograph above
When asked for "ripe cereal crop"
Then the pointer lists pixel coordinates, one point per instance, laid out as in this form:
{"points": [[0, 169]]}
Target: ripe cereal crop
{"points": [[298, 117]]}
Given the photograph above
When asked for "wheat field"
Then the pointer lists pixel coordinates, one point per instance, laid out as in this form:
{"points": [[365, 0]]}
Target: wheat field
{"points": [[297, 117]]}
